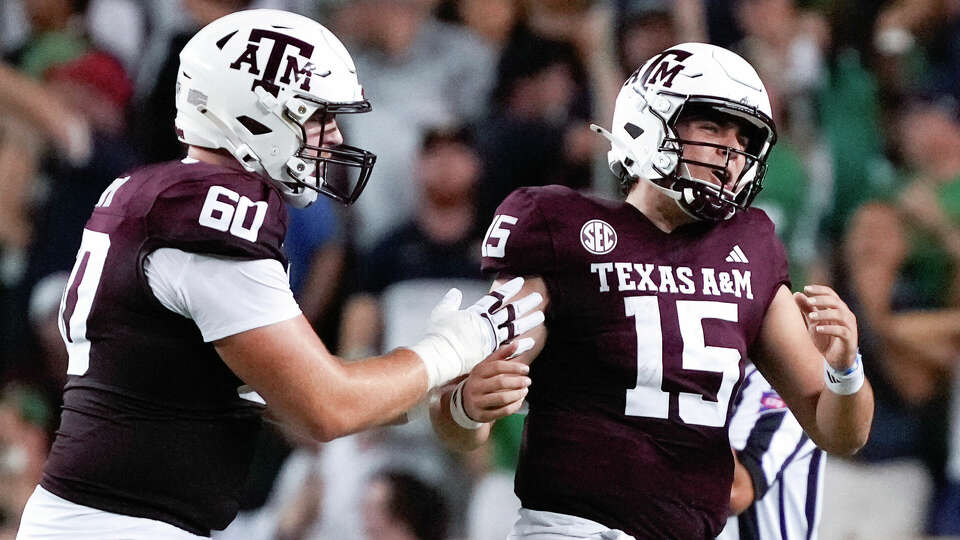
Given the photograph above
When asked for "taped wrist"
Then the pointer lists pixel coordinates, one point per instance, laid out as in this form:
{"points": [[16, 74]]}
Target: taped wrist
{"points": [[441, 359], [458, 413], [844, 382]]}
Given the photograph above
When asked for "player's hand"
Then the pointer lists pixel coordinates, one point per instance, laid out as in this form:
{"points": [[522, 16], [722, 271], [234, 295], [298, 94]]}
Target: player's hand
{"points": [[498, 385], [508, 320], [458, 339], [831, 324]]}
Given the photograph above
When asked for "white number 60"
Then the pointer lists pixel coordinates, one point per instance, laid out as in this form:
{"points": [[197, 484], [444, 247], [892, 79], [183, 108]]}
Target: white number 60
{"points": [[223, 216]]}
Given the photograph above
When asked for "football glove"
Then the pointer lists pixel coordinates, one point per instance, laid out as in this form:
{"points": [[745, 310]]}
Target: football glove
{"points": [[458, 339]]}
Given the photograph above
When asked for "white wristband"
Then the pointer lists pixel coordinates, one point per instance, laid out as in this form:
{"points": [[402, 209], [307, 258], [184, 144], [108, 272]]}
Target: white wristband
{"points": [[847, 382], [458, 413]]}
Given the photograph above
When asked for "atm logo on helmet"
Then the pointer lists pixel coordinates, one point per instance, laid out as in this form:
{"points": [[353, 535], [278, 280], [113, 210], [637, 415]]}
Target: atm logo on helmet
{"points": [[662, 70], [291, 63]]}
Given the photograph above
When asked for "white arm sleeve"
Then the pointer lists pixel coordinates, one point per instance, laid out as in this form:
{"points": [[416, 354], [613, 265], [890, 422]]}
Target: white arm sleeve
{"points": [[223, 296]]}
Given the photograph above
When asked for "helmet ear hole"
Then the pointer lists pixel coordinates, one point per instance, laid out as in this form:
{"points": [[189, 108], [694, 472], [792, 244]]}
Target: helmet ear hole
{"points": [[633, 130], [253, 126]]}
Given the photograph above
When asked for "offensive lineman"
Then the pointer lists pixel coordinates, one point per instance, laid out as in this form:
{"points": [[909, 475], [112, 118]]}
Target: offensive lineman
{"points": [[178, 316]]}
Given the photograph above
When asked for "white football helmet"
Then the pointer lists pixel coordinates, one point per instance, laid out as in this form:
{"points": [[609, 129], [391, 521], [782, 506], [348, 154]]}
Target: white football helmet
{"points": [[644, 142], [249, 81]]}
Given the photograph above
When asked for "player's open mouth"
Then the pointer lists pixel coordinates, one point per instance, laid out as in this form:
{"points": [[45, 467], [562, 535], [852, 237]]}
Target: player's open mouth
{"points": [[718, 179], [721, 177]]}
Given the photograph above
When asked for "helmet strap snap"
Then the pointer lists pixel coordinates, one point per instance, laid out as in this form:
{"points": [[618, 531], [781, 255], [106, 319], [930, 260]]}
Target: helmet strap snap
{"points": [[300, 169]]}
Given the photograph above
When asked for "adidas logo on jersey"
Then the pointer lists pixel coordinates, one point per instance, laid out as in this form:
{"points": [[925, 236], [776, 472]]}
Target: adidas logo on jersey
{"points": [[736, 255]]}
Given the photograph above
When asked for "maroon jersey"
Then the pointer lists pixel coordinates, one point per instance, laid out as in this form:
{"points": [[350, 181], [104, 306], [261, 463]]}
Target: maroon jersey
{"points": [[631, 395], [152, 423]]}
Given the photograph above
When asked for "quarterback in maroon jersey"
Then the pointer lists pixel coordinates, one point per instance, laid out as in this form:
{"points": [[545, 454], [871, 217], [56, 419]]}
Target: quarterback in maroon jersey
{"points": [[653, 304], [178, 316]]}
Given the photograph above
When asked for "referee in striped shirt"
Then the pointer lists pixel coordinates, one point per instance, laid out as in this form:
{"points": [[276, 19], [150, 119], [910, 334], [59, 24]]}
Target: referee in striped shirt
{"points": [[778, 480]]}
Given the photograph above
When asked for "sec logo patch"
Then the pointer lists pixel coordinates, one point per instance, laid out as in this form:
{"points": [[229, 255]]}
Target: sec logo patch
{"points": [[598, 237]]}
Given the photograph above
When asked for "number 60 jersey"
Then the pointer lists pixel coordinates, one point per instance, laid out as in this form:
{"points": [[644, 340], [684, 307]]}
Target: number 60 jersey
{"points": [[630, 397], [153, 425]]}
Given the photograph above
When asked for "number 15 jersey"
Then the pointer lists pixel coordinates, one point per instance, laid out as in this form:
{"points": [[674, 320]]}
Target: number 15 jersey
{"points": [[630, 399]]}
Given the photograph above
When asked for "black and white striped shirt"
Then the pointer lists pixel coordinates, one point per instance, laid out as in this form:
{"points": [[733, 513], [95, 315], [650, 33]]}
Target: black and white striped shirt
{"points": [[785, 465]]}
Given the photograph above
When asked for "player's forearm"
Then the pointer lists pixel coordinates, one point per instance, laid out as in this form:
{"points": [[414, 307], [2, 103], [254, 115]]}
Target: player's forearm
{"points": [[288, 365], [844, 422], [374, 391], [452, 434]]}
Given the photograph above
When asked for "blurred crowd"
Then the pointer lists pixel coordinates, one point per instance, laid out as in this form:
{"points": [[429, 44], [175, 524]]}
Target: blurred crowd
{"points": [[472, 99]]}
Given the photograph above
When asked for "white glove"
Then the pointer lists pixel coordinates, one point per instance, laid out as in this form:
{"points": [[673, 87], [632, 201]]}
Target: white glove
{"points": [[457, 340]]}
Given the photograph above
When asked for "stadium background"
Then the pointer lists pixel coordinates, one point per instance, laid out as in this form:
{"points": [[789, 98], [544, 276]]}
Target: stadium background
{"points": [[473, 98]]}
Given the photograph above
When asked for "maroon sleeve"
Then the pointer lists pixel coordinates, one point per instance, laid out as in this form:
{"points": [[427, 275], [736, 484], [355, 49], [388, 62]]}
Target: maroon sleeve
{"points": [[223, 215], [518, 241], [783, 267], [778, 257], [778, 272]]}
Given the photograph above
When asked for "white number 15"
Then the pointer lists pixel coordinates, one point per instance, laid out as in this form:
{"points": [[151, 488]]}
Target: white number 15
{"points": [[647, 398]]}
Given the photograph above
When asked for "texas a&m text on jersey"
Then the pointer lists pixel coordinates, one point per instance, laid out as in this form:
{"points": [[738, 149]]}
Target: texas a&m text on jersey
{"points": [[632, 392]]}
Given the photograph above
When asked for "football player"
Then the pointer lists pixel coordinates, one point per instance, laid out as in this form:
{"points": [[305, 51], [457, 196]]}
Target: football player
{"points": [[653, 304], [178, 316]]}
